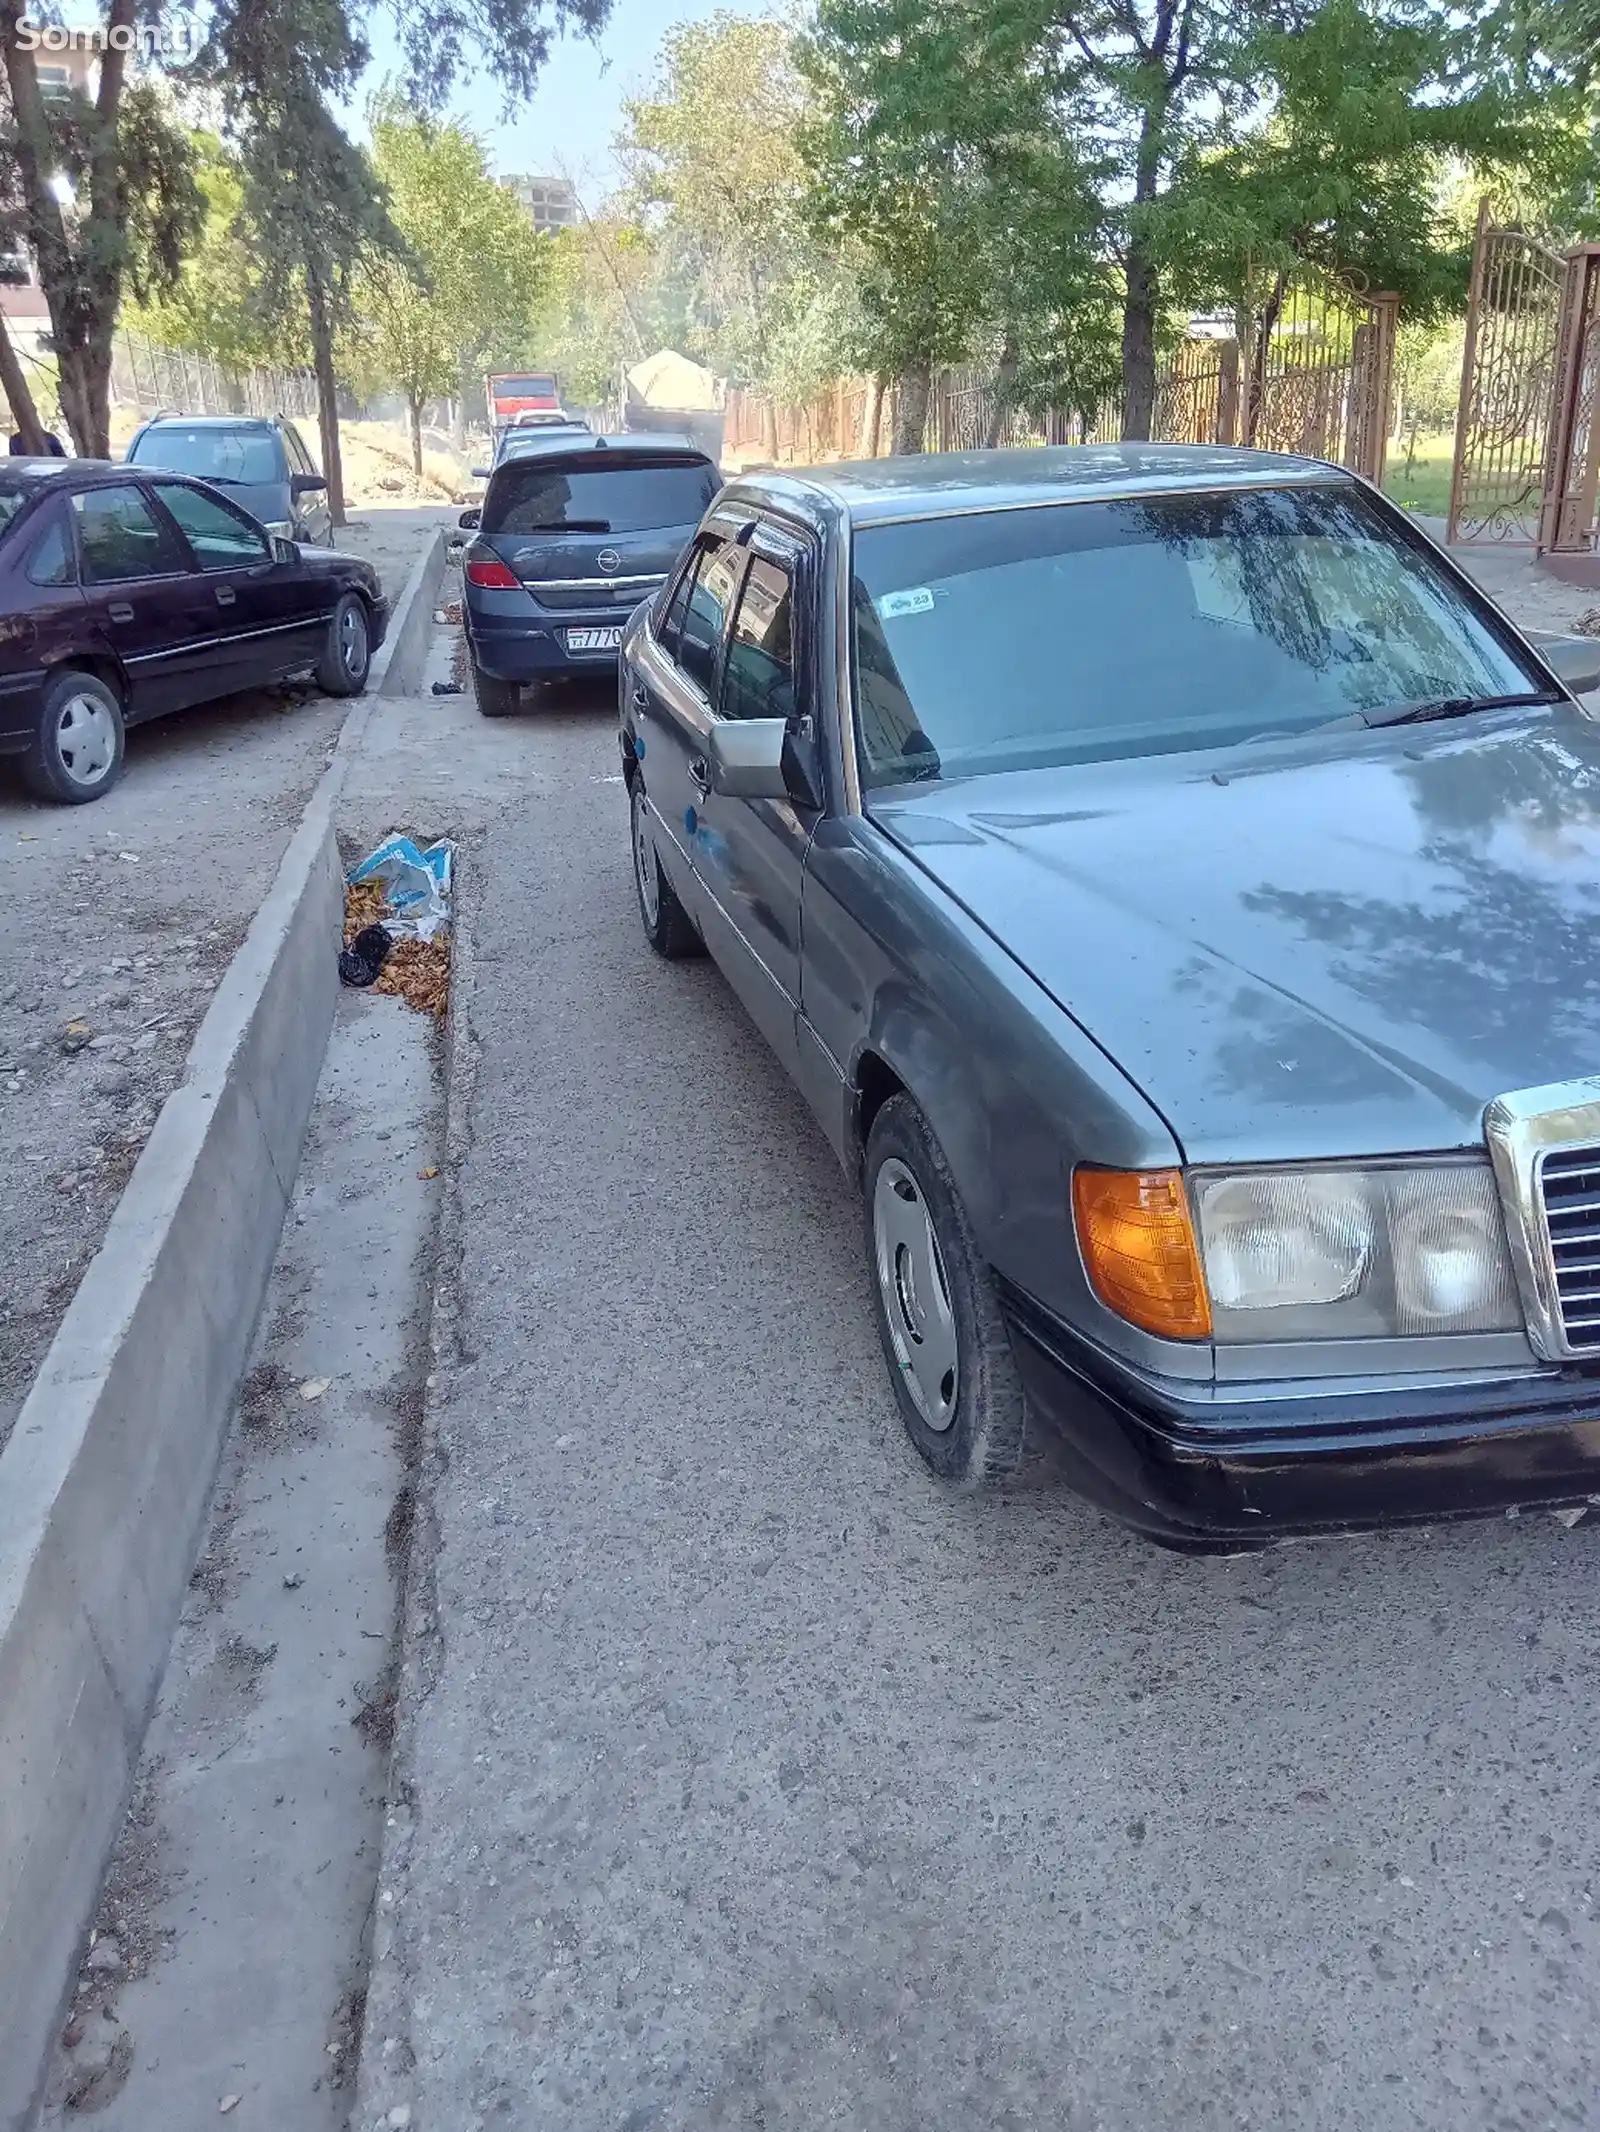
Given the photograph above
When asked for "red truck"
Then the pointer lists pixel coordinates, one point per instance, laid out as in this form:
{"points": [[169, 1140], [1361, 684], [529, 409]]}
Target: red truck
{"points": [[518, 392]]}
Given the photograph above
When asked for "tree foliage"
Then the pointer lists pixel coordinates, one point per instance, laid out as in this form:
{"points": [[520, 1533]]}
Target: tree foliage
{"points": [[471, 267]]}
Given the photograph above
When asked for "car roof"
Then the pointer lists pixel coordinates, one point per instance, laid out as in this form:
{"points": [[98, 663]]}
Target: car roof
{"points": [[42, 473], [636, 445], [216, 421], [927, 485]]}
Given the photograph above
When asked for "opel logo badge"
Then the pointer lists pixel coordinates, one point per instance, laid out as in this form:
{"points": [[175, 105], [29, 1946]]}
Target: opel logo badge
{"points": [[609, 561]]}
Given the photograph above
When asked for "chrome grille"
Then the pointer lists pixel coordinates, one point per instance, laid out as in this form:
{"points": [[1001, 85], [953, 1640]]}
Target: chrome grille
{"points": [[1569, 1193], [576, 595]]}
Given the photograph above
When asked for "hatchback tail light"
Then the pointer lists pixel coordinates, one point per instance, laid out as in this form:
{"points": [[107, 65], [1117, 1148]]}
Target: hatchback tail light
{"points": [[493, 575]]}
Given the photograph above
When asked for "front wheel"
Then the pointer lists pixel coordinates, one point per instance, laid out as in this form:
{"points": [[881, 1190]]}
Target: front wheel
{"points": [[667, 925], [342, 669], [77, 751], [949, 1354]]}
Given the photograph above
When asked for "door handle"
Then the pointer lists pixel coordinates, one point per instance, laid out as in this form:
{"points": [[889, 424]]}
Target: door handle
{"points": [[639, 696], [120, 611], [226, 595], [700, 775]]}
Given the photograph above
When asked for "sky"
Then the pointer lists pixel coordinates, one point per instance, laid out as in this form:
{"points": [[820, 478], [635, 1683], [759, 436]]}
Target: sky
{"points": [[567, 127]]}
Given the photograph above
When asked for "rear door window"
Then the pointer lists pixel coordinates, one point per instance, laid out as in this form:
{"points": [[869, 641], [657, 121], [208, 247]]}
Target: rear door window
{"points": [[120, 537], [706, 614], [758, 674], [587, 496]]}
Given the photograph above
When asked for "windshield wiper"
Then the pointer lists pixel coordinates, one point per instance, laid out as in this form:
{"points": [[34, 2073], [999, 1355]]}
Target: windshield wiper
{"points": [[1458, 706]]}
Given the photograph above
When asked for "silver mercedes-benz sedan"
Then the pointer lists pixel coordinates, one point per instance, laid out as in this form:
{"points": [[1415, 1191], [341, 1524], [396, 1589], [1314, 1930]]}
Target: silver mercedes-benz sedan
{"points": [[1176, 889]]}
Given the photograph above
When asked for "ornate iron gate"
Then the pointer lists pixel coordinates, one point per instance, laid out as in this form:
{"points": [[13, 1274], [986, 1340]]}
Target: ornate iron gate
{"points": [[1508, 376], [1567, 520], [1318, 371]]}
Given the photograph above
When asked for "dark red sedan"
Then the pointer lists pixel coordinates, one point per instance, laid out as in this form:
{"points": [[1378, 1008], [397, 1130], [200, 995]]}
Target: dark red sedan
{"points": [[126, 593]]}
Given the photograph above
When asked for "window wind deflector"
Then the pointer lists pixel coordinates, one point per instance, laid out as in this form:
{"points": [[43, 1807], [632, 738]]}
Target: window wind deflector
{"points": [[1459, 706]]}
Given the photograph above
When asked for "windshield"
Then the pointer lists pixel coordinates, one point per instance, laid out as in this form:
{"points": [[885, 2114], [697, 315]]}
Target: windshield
{"points": [[238, 456], [529, 385], [628, 496], [1087, 632]]}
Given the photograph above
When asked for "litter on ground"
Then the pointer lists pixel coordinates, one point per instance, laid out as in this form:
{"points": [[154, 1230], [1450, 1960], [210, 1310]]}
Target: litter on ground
{"points": [[397, 923]]}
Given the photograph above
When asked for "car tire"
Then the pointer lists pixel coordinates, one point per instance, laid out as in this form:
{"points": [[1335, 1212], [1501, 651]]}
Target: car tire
{"points": [[79, 747], [667, 925], [347, 655], [496, 698], [955, 1377]]}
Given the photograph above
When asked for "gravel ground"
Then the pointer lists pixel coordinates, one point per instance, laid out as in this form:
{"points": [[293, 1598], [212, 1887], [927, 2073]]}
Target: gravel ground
{"points": [[749, 1779], [116, 921]]}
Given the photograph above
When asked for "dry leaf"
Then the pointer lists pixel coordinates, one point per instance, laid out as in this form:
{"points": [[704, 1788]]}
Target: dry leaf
{"points": [[431, 1171]]}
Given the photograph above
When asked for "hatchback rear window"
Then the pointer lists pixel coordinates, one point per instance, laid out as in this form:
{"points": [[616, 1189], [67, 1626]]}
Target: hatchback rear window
{"points": [[628, 496], [233, 457]]}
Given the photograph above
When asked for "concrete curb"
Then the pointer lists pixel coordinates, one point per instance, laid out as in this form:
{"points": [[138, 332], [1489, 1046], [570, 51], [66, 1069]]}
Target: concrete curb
{"points": [[105, 1481], [411, 624]]}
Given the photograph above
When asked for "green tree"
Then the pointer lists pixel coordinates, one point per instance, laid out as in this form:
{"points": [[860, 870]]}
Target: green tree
{"points": [[939, 165], [717, 179], [472, 267], [209, 310], [106, 198]]}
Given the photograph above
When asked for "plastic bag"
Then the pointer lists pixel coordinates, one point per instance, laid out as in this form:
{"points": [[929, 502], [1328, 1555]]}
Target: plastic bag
{"points": [[416, 884]]}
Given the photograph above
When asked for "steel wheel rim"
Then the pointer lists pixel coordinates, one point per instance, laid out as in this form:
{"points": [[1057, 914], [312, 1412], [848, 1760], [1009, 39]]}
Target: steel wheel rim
{"points": [[644, 862], [914, 1292], [352, 638], [86, 738]]}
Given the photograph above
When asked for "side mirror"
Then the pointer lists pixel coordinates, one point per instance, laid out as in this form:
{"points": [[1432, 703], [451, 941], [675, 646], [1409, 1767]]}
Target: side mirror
{"points": [[745, 757], [469, 521], [481, 473], [1574, 661], [306, 484], [284, 551]]}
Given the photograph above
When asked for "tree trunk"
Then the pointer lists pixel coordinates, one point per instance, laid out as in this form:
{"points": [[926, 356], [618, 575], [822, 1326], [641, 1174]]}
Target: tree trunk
{"points": [[416, 434], [327, 393], [911, 407], [1139, 346], [80, 275], [1005, 379], [20, 400], [871, 418], [769, 428]]}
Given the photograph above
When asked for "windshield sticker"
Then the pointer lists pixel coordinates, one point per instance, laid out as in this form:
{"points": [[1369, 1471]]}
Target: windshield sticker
{"points": [[919, 600]]}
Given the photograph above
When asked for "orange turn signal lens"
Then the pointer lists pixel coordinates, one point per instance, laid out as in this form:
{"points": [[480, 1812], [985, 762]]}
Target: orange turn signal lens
{"points": [[1138, 1245]]}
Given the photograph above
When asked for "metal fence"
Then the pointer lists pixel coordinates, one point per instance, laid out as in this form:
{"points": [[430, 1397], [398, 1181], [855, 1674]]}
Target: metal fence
{"points": [[154, 380], [1311, 371]]}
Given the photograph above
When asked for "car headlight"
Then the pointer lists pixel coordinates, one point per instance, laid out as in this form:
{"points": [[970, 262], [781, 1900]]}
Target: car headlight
{"points": [[283, 527], [1319, 1253]]}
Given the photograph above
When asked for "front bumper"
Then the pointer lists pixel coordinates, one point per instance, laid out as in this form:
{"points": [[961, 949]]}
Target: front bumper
{"points": [[1211, 1476]]}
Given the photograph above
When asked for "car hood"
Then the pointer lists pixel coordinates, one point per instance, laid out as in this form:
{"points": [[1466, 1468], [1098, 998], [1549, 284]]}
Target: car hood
{"points": [[335, 562], [1340, 945]]}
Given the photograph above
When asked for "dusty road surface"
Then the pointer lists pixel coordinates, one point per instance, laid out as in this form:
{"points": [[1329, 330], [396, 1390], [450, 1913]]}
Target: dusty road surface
{"points": [[746, 1778], [118, 918]]}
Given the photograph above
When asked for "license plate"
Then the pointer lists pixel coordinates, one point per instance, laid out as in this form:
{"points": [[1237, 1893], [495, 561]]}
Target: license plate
{"points": [[594, 639]]}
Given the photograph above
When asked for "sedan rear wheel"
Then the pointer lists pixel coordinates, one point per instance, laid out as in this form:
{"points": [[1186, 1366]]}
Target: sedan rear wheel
{"points": [[949, 1354], [342, 669], [78, 750], [667, 925]]}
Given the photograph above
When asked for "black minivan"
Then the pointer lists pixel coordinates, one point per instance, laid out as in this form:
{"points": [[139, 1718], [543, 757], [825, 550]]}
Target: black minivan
{"points": [[569, 540]]}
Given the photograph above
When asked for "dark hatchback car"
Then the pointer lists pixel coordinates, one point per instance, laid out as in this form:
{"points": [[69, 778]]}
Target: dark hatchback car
{"points": [[1174, 886], [261, 460], [124, 596], [570, 537]]}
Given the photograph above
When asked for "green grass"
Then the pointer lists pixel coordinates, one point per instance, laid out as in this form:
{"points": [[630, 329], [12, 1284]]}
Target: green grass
{"points": [[1426, 487]]}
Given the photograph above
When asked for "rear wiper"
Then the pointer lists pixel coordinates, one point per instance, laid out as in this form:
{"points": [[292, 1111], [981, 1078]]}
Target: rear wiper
{"points": [[1458, 706]]}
